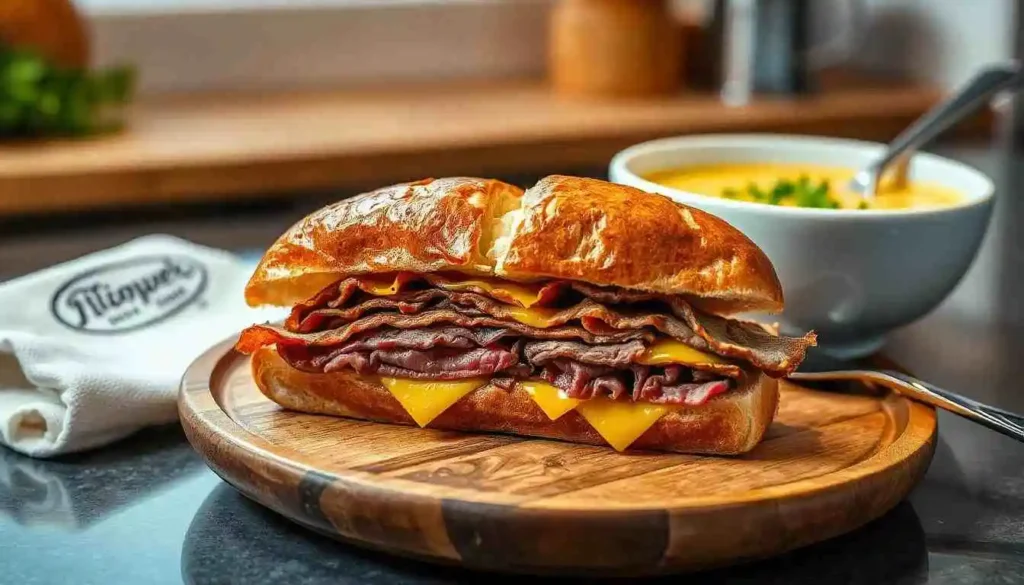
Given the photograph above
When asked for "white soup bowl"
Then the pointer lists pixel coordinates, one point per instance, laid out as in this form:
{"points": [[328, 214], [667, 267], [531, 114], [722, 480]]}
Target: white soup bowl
{"points": [[850, 275]]}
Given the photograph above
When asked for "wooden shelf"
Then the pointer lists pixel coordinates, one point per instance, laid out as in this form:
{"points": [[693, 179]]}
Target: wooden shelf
{"points": [[214, 147]]}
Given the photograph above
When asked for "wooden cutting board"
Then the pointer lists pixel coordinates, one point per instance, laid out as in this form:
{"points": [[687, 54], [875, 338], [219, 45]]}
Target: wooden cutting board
{"points": [[829, 464]]}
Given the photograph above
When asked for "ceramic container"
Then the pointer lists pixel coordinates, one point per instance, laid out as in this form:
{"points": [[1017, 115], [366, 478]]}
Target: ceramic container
{"points": [[850, 275]]}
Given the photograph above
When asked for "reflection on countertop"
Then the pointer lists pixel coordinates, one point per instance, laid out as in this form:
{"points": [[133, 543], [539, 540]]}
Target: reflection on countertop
{"points": [[116, 515], [72, 493]]}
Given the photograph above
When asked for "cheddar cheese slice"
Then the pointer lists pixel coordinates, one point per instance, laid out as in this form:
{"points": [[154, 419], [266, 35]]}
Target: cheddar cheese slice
{"points": [[383, 286], [424, 400], [551, 399], [538, 317], [525, 294], [670, 351], [620, 422]]}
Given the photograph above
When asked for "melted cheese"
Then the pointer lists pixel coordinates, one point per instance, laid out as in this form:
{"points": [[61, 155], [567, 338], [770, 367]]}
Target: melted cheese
{"points": [[424, 400], [620, 422], [538, 317], [375, 285], [380, 289], [551, 399], [525, 294], [670, 351]]}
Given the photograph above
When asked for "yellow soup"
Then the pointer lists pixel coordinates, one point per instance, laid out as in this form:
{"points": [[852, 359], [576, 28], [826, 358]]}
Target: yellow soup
{"points": [[800, 185]]}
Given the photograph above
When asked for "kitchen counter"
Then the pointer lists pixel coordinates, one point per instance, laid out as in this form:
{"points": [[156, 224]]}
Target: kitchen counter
{"points": [[193, 148], [147, 510]]}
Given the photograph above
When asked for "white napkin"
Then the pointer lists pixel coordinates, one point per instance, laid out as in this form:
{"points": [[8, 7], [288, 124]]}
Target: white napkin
{"points": [[92, 350]]}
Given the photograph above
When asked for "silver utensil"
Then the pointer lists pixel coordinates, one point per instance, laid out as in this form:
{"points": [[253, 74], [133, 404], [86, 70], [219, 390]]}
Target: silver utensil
{"points": [[828, 370], [958, 106]]}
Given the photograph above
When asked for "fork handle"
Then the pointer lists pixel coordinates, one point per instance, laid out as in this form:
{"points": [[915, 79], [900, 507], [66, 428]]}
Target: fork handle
{"points": [[997, 419]]}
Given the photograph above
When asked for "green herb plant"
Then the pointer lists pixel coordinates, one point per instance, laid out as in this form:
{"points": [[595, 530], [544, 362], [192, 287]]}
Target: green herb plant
{"points": [[40, 99], [803, 193]]}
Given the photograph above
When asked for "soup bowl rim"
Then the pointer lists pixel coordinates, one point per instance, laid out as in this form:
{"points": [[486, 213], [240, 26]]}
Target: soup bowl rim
{"points": [[620, 171]]}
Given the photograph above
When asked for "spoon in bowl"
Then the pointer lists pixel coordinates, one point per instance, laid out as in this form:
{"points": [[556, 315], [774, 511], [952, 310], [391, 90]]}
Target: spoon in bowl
{"points": [[958, 106]]}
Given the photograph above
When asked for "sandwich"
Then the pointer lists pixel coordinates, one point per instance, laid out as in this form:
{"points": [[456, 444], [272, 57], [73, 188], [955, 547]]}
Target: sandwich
{"points": [[578, 310]]}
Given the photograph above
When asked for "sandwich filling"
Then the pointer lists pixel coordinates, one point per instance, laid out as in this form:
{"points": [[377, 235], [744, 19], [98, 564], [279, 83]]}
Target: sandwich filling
{"points": [[583, 340]]}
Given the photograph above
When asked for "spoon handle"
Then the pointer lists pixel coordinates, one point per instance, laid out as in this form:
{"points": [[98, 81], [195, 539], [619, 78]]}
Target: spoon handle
{"points": [[999, 420], [1002, 421], [965, 100]]}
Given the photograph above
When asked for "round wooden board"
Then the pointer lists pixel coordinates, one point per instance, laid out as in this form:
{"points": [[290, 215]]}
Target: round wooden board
{"points": [[829, 464]]}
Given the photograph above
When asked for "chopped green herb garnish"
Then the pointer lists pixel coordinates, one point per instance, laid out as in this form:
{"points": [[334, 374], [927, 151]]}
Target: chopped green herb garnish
{"points": [[803, 183], [815, 197], [802, 193], [781, 190], [755, 192], [38, 98]]}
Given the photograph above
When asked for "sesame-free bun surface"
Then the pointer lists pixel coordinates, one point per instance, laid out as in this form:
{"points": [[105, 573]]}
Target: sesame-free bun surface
{"points": [[426, 226], [730, 423], [562, 228]]}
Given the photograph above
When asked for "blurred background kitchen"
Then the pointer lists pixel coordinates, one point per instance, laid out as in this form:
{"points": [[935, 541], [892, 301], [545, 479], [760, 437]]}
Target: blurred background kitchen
{"points": [[223, 121]]}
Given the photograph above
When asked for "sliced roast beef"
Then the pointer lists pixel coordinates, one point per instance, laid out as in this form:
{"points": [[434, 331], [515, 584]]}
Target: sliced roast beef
{"points": [[439, 353], [583, 381], [672, 316], [617, 355], [668, 385], [260, 335], [691, 394], [734, 338], [728, 337], [425, 338], [451, 353], [588, 341], [433, 364], [674, 385], [338, 295]]}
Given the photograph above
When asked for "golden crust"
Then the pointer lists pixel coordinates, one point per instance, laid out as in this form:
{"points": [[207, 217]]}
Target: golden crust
{"points": [[564, 227], [612, 234], [425, 226], [729, 424]]}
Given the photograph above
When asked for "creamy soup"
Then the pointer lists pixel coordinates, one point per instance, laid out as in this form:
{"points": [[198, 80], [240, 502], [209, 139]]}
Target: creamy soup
{"points": [[800, 185]]}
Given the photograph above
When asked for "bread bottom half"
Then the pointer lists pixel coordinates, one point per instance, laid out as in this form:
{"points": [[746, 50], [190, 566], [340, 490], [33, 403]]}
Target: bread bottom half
{"points": [[728, 424]]}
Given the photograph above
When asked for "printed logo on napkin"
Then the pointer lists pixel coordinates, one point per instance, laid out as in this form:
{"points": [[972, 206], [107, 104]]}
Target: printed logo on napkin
{"points": [[130, 294]]}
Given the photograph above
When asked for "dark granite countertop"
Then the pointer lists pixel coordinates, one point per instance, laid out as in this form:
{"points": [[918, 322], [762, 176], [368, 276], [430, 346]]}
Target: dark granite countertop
{"points": [[148, 511]]}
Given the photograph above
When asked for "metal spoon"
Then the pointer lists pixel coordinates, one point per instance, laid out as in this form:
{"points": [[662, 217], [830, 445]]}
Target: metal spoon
{"points": [[963, 102], [1002, 421]]}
